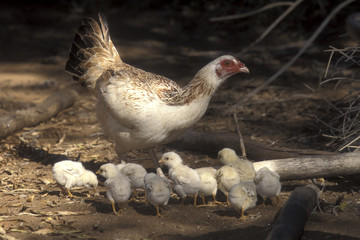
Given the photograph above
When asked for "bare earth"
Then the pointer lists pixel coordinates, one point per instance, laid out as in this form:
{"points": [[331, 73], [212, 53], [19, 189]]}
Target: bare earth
{"points": [[34, 45]]}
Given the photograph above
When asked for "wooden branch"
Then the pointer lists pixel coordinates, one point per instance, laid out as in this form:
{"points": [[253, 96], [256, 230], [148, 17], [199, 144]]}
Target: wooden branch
{"points": [[314, 166], [212, 142], [51, 106], [288, 163], [293, 216]]}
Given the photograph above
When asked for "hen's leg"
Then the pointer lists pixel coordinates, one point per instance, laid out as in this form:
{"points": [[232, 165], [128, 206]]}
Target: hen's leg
{"points": [[157, 166]]}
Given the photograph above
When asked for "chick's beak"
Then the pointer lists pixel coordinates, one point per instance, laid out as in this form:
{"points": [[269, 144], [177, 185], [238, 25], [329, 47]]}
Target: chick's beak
{"points": [[98, 172], [161, 160]]}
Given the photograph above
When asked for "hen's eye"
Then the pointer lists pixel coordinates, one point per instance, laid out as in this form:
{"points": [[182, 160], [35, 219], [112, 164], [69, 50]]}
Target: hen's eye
{"points": [[227, 63]]}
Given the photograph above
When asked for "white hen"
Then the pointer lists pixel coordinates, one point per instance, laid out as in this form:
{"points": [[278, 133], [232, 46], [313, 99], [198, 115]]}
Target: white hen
{"points": [[186, 180], [71, 174], [117, 184], [139, 109]]}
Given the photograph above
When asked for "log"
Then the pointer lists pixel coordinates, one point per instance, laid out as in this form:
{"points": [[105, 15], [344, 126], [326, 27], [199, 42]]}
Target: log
{"points": [[51, 106], [212, 142], [314, 166], [292, 217]]}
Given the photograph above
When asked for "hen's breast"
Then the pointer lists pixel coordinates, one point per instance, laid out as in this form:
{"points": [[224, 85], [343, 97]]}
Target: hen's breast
{"points": [[132, 110]]}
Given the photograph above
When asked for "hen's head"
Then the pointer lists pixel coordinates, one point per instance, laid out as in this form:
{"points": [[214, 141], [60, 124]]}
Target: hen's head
{"points": [[227, 66], [220, 69]]}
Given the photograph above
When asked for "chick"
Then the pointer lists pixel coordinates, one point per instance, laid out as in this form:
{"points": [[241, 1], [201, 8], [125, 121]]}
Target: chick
{"points": [[186, 180], [117, 184], [267, 184], [158, 191], [244, 167], [242, 196], [136, 174], [70, 174], [226, 177], [208, 183]]}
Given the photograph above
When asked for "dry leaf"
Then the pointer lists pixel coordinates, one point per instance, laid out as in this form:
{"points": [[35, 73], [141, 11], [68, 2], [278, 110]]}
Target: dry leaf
{"points": [[44, 195], [45, 180], [45, 231], [31, 198]]}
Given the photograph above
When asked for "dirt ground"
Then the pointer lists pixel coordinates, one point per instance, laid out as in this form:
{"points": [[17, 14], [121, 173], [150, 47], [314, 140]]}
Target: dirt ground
{"points": [[34, 44]]}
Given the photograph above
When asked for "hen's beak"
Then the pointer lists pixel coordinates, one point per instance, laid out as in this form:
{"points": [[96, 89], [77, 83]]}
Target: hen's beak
{"points": [[244, 69]]}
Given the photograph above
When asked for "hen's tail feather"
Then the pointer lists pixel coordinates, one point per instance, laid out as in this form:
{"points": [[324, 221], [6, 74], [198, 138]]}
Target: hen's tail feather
{"points": [[92, 52]]}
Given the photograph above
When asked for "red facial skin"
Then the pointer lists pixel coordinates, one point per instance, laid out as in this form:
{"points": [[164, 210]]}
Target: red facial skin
{"points": [[230, 67]]}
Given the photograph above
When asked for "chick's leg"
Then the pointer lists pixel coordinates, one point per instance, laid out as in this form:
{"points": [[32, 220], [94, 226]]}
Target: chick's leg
{"points": [[157, 211], [69, 193], [195, 198], [216, 201], [114, 208], [243, 217], [263, 203], [183, 201], [227, 199]]}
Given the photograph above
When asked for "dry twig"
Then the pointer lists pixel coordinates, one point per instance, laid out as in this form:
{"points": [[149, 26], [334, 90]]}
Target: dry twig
{"points": [[242, 145], [291, 62], [248, 14]]}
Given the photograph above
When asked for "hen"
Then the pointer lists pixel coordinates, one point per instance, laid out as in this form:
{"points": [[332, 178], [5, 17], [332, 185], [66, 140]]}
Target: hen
{"points": [[139, 109]]}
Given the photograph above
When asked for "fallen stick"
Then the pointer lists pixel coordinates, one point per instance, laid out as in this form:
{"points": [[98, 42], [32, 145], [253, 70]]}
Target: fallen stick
{"points": [[212, 142], [314, 166], [303, 164], [51, 106], [293, 216]]}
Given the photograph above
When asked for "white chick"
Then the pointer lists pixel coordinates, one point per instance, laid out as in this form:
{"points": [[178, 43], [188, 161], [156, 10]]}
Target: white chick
{"points": [[208, 183], [186, 180], [242, 196], [244, 167], [267, 184], [117, 184], [136, 174], [226, 177], [70, 174], [158, 191]]}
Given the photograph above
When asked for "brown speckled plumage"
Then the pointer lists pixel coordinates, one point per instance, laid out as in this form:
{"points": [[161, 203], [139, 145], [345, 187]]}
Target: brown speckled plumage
{"points": [[139, 109]]}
